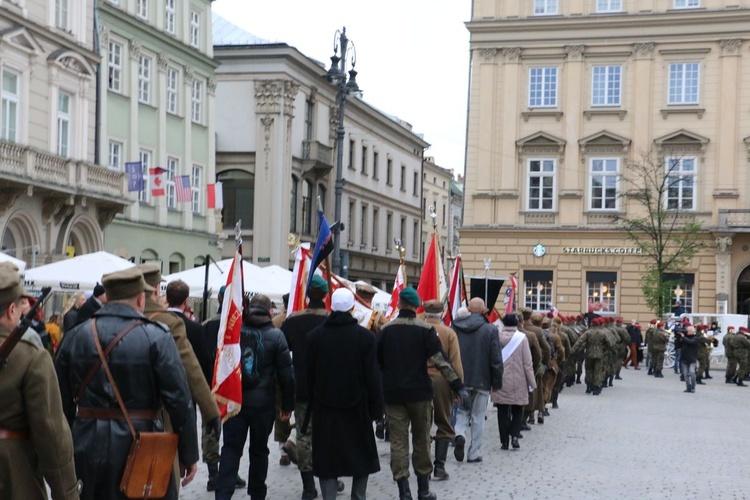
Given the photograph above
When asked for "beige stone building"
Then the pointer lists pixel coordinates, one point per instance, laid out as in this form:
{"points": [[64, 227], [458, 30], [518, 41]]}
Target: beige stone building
{"points": [[436, 198], [563, 94]]}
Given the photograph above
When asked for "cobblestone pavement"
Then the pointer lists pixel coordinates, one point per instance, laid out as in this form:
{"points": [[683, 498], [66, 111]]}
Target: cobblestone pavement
{"points": [[643, 438]]}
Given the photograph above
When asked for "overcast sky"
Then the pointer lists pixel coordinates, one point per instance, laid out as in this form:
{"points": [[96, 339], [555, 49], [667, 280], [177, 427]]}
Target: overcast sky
{"points": [[412, 55]]}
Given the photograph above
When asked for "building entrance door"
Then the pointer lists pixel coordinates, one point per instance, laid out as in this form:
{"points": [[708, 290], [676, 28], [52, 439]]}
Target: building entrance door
{"points": [[743, 292]]}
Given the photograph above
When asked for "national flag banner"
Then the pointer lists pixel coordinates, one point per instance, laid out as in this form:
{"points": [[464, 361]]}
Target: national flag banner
{"points": [[227, 382], [511, 294], [157, 182], [398, 285], [135, 176], [323, 247], [297, 294], [215, 196], [432, 285], [457, 292], [182, 187]]}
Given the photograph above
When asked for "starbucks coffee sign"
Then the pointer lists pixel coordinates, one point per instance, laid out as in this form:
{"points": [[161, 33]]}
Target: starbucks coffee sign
{"points": [[604, 250]]}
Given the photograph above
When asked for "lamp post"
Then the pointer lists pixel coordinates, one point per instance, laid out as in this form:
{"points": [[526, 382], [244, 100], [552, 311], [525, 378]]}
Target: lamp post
{"points": [[337, 74]]}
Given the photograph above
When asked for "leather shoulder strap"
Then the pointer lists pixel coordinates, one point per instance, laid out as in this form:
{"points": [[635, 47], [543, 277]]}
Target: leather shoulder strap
{"points": [[94, 369], [109, 373], [153, 315]]}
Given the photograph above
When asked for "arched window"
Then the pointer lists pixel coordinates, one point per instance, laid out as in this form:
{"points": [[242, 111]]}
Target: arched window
{"points": [[307, 204], [238, 189], [293, 211]]}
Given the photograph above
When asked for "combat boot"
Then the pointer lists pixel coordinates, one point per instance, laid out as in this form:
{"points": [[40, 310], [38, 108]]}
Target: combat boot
{"points": [[699, 381], [651, 371], [659, 374], [611, 380], [578, 378], [589, 389], [441, 453], [727, 379], [213, 475], [458, 451], [423, 489], [404, 492], [740, 383], [597, 390], [308, 486], [707, 375]]}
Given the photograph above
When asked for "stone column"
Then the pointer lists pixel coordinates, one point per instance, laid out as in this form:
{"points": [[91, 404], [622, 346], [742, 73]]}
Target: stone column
{"points": [[723, 272], [274, 106], [643, 68]]}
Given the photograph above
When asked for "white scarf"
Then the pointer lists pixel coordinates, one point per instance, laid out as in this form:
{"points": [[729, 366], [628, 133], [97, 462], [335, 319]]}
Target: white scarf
{"points": [[511, 347]]}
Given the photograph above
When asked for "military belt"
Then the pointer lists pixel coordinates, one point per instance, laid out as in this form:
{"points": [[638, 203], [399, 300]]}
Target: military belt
{"points": [[8, 434], [116, 414]]}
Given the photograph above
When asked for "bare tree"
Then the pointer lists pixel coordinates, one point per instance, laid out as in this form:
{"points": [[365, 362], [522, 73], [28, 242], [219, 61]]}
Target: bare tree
{"points": [[660, 221]]}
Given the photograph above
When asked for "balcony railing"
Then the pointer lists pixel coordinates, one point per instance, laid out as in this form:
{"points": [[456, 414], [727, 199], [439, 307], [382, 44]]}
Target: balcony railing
{"points": [[317, 157], [734, 218], [24, 165]]}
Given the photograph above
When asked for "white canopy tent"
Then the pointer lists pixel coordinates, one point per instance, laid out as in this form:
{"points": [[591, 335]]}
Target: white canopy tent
{"points": [[21, 265], [80, 273]]}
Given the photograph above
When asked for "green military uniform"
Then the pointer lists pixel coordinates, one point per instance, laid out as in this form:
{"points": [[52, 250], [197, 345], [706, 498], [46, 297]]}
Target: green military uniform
{"points": [[704, 349], [569, 370], [741, 346], [594, 344], [728, 343], [647, 340], [611, 362], [35, 440], [536, 400], [657, 347]]}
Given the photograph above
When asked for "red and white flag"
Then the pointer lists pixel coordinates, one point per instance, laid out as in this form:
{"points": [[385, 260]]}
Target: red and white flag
{"points": [[297, 295], [227, 383], [156, 180], [457, 294], [432, 285], [215, 196], [398, 285]]}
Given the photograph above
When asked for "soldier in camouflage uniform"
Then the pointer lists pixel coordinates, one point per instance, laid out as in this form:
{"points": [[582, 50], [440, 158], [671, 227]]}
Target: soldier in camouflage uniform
{"points": [[741, 346], [593, 344], [611, 353], [647, 339], [704, 349], [559, 335], [658, 347], [569, 371], [623, 345], [728, 343], [579, 327]]}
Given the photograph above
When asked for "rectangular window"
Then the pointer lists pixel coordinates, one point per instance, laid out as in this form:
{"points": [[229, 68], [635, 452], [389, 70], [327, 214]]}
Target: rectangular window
{"points": [[350, 223], [114, 58], [686, 4], [62, 13], [293, 211], [307, 196], [543, 87], [415, 238], [115, 155], [604, 176], [606, 85], [608, 5], [375, 227], [363, 166], [309, 113], [195, 29], [403, 231], [683, 83], [389, 172], [375, 160], [11, 97], [64, 103], [144, 79], [545, 7], [388, 231], [173, 86], [601, 291], [403, 178], [681, 183], [444, 213], [142, 9], [363, 226], [683, 289], [197, 101], [145, 157], [537, 290], [196, 183], [169, 17], [416, 184], [173, 168], [541, 184], [352, 145]]}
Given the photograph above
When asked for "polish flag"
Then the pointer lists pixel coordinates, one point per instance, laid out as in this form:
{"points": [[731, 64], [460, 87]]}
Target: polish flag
{"points": [[398, 285], [457, 293], [227, 383], [157, 182], [215, 196], [298, 295], [432, 285]]}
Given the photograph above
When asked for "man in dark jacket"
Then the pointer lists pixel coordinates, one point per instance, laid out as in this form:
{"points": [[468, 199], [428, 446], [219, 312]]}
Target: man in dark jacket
{"points": [[405, 346], [482, 359], [345, 397], [270, 361], [92, 304], [70, 320], [297, 328], [689, 357], [149, 375]]}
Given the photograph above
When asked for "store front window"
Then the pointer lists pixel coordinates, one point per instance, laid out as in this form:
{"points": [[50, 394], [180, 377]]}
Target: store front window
{"points": [[601, 291], [537, 290]]}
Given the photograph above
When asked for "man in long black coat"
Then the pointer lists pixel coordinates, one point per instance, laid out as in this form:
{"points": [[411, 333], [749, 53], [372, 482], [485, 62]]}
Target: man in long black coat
{"points": [[345, 393]]}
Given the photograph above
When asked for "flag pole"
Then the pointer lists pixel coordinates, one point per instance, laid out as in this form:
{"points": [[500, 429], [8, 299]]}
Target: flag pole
{"points": [[238, 242], [327, 259]]}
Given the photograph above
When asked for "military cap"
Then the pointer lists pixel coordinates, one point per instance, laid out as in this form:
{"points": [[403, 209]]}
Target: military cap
{"points": [[579, 317], [619, 321], [410, 296], [550, 315], [653, 321], [731, 329], [365, 290], [433, 306], [319, 284], [125, 284], [151, 273], [10, 284], [659, 324], [743, 329]]}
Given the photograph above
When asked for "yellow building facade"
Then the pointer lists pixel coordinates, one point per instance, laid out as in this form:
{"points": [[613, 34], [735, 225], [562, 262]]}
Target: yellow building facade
{"points": [[564, 95]]}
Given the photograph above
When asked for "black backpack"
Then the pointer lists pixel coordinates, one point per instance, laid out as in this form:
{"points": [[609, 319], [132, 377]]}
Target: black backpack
{"points": [[252, 352]]}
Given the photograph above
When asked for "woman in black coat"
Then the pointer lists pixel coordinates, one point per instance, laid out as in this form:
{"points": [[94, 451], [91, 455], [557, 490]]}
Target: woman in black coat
{"points": [[345, 393]]}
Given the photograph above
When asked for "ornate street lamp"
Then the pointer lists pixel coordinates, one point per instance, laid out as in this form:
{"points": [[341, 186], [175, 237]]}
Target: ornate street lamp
{"points": [[343, 51]]}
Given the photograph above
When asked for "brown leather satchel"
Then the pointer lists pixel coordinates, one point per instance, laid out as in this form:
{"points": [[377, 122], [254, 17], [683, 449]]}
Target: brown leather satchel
{"points": [[149, 466]]}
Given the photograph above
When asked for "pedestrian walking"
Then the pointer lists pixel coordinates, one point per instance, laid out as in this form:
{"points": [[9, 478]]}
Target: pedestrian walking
{"points": [[345, 399], [149, 375], [689, 344], [405, 346]]}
